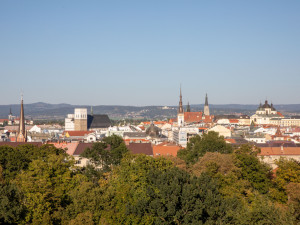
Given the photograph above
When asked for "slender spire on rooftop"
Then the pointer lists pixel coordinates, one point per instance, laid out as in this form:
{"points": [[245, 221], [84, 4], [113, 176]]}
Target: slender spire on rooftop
{"points": [[188, 107], [206, 100], [22, 136], [206, 107], [180, 109]]}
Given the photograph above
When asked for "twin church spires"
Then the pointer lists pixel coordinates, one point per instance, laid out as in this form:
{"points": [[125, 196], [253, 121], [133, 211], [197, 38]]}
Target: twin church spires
{"points": [[188, 108]]}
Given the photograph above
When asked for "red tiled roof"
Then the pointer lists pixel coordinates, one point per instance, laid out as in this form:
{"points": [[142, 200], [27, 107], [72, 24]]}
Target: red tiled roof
{"points": [[233, 121], [3, 120], [71, 147], [172, 120], [208, 119], [280, 114], [265, 151], [232, 141], [77, 133], [190, 117], [165, 149]]}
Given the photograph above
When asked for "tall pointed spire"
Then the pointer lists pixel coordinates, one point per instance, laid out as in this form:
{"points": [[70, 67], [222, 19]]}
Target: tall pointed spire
{"points": [[22, 131], [180, 109], [206, 107], [188, 107], [92, 110], [206, 100], [180, 115]]}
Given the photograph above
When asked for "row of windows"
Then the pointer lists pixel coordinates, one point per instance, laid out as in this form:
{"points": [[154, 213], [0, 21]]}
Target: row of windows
{"points": [[83, 116]]}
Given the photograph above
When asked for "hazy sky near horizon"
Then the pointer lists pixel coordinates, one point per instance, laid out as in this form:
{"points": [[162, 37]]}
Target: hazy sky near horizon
{"points": [[138, 52]]}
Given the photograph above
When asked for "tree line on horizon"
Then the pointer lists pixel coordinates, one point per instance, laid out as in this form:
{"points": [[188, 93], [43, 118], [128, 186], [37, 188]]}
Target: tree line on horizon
{"points": [[210, 182]]}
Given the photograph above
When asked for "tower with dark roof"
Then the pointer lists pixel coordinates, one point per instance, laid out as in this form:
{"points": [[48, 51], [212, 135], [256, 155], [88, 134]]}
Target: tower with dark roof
{"points": [[188, 107], [206, 107], [180, 115], [22, 134]]}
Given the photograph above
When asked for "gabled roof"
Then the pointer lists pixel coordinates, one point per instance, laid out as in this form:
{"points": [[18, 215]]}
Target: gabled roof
{"points": [[265, 151], [77, 133], [69, 146], [140, 148], [277, 144], [81, 147], [165, 149], [280, 114], [193, 117], [98, 121]]}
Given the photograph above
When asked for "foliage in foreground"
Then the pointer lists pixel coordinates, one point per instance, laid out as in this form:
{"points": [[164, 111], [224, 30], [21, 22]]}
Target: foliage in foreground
{"points": [[41, 185]]}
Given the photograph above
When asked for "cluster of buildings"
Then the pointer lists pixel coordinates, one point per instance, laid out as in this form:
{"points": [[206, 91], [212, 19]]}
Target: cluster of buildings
{"points": [[268, 129]]}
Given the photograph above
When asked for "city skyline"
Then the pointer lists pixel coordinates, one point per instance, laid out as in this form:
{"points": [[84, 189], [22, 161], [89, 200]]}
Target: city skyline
{"points": [[137, 53]]}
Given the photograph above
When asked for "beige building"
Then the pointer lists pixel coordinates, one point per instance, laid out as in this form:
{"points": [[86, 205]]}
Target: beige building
{"points": [[286, 122], [223, 131], [270, 155]]}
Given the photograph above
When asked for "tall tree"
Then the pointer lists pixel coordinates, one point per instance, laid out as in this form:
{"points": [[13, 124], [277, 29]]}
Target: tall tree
{"points": [[107, 153], [198, 146]]}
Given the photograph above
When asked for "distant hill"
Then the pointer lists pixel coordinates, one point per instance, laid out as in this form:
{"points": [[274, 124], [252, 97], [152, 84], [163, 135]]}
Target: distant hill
{"points": [[41, 110]]}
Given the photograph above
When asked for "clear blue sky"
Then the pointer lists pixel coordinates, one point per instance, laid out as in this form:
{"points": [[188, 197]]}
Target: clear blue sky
{"points": [[138, 52]]}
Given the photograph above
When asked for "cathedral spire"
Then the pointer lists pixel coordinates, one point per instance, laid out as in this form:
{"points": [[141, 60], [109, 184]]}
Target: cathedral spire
{"points": [[188, 107], [180, 109], [22, 131], [206, 107], [206, 100]]}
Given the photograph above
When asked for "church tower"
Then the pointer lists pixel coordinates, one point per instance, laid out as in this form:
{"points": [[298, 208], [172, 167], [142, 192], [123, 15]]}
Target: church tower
{"points": [[188, 107], [80, 121], [206, 107], [180, 115], [22, 134]]}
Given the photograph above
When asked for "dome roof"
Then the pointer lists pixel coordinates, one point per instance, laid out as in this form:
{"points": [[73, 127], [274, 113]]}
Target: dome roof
{"points": [[266, 105], [153, 131]]}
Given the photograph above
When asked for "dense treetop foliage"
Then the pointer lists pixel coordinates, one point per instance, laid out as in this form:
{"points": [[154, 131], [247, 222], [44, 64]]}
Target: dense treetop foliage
{"points": [[209, 183]]}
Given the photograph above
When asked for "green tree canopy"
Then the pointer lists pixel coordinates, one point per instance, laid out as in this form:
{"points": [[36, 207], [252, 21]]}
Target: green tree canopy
{"points": [[107, 153], [198, 146]]}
